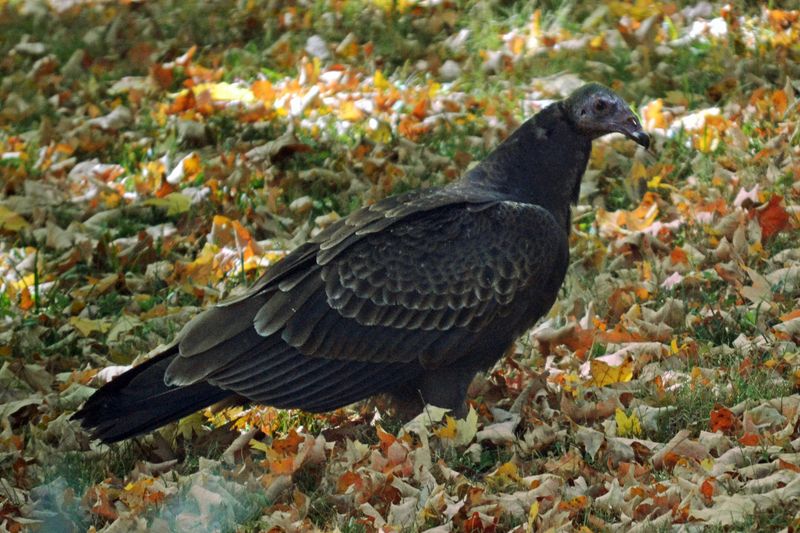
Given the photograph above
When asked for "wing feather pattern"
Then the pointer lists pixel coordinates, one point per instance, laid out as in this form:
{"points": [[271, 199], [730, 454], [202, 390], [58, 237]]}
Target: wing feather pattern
{"points": [[407, 284]]}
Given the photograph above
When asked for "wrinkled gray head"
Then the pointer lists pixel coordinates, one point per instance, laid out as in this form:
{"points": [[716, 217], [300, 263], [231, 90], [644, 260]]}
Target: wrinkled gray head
{"points": [[596, 110]]}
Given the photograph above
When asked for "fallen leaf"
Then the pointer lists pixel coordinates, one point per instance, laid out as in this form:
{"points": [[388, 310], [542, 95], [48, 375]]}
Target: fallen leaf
{"points": [[603, 374], [10, 221], [627, 426]]}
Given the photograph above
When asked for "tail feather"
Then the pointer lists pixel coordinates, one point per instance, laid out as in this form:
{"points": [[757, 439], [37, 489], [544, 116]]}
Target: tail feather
{"points": [[138, 401]]}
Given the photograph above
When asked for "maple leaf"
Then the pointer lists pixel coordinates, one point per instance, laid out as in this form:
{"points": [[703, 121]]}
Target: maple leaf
{"points": [[722, 419], [773, 217], [603, 373]]}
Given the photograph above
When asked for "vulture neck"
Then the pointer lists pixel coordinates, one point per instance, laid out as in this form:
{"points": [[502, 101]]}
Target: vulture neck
{"points": [[541, 163]]}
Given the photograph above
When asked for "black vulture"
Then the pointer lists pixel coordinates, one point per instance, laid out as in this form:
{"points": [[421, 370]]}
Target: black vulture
{"points": [[411, 296]]}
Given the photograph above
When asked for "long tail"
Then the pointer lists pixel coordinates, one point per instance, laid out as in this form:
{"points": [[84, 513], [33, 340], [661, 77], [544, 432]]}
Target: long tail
{"points": [[138, 401]]}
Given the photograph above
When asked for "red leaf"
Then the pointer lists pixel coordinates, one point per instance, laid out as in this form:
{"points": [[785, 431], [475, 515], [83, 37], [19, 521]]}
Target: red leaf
{"points": [[474, 524], [773, 218], [749, 439], [707, 489], [722, 419]]}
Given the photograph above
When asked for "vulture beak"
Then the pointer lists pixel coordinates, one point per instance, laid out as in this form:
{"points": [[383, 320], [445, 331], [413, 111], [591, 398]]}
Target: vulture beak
{"points": [[632, 129]]}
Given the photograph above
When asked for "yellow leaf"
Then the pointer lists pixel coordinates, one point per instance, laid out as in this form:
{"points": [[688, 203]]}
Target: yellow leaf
{"points": [[516, 45], [532, 514], [466, 428], [225, 92], [627, 426], [707, 464], [11, 221], [647, 270], [175, 203], [598, 42], [570, 381], [506, 474], [449, 431], [25, 282], [191, 165], [380, 80], [509, 469], [653, 115], [260, 446], [460, 432], [379, 131], [87, 326], [655, 183], [192, 424], [604, 374], [350, 112]]}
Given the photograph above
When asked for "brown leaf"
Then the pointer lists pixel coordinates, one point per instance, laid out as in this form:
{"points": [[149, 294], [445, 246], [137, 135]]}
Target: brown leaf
{"points": [[679, 446]]}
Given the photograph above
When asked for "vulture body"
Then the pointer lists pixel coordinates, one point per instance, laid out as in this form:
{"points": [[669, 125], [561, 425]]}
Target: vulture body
{"points": [[411, 296]]}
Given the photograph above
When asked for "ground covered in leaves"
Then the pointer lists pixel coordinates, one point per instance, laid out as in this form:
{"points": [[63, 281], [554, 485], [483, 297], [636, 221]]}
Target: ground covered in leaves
{"points": [[155, 155]]}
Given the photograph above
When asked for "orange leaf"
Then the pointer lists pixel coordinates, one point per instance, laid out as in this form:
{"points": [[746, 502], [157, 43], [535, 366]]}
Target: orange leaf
{"points": [[347, 479], [773, 218], [671, 459], [387, 439], [262, 89], [749, 439], [102, 506], [779, 101], [289, 444], [790, 315], [785, 465], [474, 524], [573, 505], [282, 466], [26, 302], [722, 419], [678, 256], [707, 488], [183, 102], [191, 165], [420, 110]]}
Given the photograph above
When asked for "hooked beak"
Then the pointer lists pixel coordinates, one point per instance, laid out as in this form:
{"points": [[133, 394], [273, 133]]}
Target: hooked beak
{"points": [[632, 129]]}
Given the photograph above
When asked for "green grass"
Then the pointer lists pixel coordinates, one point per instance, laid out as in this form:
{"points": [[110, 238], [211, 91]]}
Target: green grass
{"points": [[694, 402], [763, 520], [81, 470], [490, 458]]}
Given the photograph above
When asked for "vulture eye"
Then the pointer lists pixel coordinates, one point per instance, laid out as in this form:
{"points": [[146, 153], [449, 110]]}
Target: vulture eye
{"points": [[600, 105]]}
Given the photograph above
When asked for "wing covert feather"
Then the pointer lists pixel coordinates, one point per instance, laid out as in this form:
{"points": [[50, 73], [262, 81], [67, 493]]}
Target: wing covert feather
{"points": [[390, 296], [420, 288]]}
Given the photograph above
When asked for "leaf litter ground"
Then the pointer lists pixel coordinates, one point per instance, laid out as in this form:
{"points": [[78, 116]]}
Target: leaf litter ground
{"points": [[155, 156]]}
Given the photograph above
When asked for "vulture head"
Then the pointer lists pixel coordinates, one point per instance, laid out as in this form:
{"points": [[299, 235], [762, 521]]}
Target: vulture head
{"points": [[596, 110]]}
